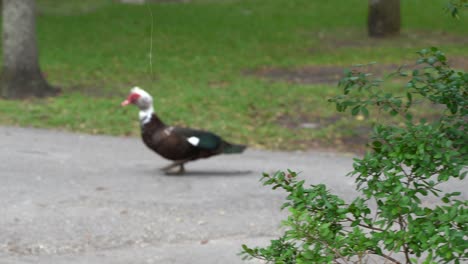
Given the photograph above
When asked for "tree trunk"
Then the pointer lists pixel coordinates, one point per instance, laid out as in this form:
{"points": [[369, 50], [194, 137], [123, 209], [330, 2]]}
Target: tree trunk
{"points": [[21, 76], [384, 18]]}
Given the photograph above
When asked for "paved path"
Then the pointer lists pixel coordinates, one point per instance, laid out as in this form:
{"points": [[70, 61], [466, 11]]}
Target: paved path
{"points": [[74, 198]]}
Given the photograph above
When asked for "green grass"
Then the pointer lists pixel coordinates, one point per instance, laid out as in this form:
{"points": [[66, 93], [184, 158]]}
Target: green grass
{"points": [[96, 50]]}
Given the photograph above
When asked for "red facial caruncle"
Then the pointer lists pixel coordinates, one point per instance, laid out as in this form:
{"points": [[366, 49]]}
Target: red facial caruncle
{"points": [[131, 99]]}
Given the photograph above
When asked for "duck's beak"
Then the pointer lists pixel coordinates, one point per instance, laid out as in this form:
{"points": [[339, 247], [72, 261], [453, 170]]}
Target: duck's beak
{"points": [[126, 102]]}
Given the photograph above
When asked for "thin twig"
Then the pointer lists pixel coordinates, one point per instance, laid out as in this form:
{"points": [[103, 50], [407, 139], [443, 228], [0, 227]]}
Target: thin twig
{"points": [[402, 224], [366, 226], [387, 257]]}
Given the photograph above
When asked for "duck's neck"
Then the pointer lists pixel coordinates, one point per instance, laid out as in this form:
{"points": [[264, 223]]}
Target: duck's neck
{"points": [[147, 116]]}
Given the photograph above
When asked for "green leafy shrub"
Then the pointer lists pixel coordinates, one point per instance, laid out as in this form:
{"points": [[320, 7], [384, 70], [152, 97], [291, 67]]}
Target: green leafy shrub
{"points": [[454, 7], [405, 164]]}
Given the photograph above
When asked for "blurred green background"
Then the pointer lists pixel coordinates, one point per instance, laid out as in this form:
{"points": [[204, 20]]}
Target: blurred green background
{"points": [[254, 71]]}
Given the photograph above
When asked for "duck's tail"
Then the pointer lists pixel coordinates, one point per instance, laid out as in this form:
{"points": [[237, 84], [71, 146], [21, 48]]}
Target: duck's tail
{"points": [[233, 148]]}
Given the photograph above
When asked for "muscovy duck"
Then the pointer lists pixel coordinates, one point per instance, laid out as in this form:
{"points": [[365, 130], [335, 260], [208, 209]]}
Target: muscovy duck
{"points": [[176, 143]]}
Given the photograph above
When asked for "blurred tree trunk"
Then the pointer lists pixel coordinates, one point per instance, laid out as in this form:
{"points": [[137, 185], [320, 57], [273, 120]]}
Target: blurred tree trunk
{"points": [[21, 76], [384, 18]]}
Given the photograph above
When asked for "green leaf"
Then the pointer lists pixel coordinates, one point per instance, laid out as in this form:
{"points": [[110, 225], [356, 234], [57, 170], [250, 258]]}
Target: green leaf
{"points": [[364, 111], [355, 110]]}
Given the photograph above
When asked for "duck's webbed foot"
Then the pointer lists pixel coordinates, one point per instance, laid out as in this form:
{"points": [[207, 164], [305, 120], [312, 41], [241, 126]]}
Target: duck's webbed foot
{"points": [[180, 163], [181, 169]]}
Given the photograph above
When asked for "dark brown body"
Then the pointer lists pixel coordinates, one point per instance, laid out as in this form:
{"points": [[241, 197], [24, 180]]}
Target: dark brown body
{"points": [[171, 142]]}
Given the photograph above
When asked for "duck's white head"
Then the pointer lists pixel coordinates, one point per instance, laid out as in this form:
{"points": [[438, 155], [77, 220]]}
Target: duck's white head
{"points": [[140, 98], [143, 100]]}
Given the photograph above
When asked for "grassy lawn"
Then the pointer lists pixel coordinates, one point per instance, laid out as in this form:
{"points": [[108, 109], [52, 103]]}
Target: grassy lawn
{"points": [[206, 56]]}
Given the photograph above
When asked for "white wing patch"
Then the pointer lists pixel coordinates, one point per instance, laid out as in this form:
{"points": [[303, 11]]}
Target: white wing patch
{"points": [[193, 140]]}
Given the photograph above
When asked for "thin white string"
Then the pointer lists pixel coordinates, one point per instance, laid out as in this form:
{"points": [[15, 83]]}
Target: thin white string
{"points": [[151, 41]]}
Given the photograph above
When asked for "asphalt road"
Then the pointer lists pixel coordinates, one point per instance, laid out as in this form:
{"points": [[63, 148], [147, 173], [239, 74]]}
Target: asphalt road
{"points": [[75, 198]]}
